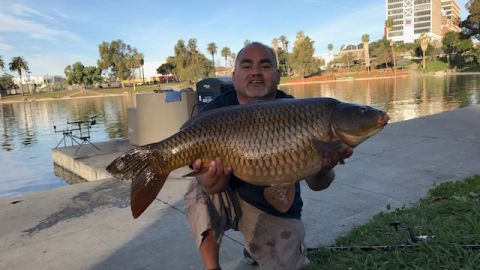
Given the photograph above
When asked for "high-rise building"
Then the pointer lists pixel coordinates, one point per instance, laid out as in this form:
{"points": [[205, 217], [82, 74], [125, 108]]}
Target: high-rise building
{"points": [[411, 18], [450, 16]]}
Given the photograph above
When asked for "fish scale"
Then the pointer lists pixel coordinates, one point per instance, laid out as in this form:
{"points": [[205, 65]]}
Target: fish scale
{"points": [[266, 143]]}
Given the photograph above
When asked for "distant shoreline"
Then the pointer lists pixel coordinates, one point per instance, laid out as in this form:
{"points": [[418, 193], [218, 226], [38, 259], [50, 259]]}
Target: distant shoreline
{"points": [[90, 94]]}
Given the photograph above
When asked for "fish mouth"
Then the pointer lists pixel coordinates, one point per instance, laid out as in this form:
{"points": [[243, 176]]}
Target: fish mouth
{"points": [[383, 120]]}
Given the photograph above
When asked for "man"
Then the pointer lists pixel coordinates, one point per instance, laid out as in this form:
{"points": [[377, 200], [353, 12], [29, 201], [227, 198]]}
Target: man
{"points": [[217, 200]]}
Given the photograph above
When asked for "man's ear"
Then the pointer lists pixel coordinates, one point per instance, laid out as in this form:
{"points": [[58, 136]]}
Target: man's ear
{"points": [[234, 77], [278, 76]]}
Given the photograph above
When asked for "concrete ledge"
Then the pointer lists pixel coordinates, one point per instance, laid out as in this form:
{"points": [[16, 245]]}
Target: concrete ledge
{"points": [[88, 162]]}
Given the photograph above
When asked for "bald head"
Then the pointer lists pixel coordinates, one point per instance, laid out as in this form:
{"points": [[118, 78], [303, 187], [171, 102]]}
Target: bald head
{"points": [[257, 44]]}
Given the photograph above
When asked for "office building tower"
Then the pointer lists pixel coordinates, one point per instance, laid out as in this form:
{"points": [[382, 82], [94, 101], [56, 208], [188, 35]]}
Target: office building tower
{"points": [[411, 18]]}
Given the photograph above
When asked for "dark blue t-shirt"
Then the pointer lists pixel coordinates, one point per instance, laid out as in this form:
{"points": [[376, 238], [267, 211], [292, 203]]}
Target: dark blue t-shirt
{"points": [[253, 194]]}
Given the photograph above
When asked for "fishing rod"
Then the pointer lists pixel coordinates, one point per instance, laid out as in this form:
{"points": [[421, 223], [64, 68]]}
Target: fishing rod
{"points": [[383, 247], [414, 242]]}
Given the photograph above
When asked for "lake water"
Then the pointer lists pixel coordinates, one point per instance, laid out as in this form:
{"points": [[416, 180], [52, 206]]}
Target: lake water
{"points": [[27, 134]]}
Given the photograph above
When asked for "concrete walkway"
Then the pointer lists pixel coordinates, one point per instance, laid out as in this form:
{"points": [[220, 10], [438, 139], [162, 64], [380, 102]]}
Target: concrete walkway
{"points": [[89, 225]]}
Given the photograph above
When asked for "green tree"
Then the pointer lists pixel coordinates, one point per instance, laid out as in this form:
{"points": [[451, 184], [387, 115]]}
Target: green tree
{"points": [[6, 82], [226, 53], [275, 47], [133, 61], [197, 65], [78, 74], [381, 52], [18, 64], [366, 52], [188, 64], [2, 64], [169, 67], [212, 49], [471, 25], [301, 60], [91, 75], [284, 41], [449, 43], [114, 56], [389, 25], [424, 41], [246, 42], [68, 71]]}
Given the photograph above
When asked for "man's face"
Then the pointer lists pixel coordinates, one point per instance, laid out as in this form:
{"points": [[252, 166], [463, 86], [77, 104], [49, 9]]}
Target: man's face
{"points": [[256, 75]]}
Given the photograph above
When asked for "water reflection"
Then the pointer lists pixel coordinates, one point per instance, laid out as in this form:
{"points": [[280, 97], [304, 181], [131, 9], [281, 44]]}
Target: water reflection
{"points": [[27, 137], [403, 98]]}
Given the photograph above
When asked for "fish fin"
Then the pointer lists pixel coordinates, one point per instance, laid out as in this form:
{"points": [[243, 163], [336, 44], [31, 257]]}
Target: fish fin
{"points": [[335, 146], [144, 189], [196, 173], [280, 196], [145, 171]]}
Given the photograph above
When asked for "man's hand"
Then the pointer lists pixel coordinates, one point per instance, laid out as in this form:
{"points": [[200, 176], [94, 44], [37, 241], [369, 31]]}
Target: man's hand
{"points": [[217, 176], [325, 176]]}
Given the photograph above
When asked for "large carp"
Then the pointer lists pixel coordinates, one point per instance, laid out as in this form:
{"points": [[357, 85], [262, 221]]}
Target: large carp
{"points": [[271, 143]]}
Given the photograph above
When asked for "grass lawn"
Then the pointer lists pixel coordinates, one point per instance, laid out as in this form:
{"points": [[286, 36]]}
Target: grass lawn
{"points": [[448, 218]]}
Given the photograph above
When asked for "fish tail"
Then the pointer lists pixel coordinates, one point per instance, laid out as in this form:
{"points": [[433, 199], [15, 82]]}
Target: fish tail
{"points": [[147, 173]]}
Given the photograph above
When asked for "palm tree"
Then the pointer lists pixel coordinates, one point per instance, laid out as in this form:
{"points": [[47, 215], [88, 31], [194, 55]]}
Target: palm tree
{"points": [[212, 49], [424, 41], [2, 64], [18, 64], [233, 57], [226, 53], [275, 48], [389, 25], [142, 62], [366, 40], [330, 48]]}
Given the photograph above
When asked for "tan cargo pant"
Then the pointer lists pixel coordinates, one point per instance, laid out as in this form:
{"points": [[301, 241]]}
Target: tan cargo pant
{"points": [[274, 242]]}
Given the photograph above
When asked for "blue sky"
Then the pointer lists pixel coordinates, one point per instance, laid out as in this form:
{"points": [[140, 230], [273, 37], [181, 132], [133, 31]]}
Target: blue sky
{"points": [[51, 34]]}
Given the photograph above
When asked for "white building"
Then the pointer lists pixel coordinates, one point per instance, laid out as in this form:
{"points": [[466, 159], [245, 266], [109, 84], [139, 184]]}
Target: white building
{"points": [[411, 18], [38, 83]]}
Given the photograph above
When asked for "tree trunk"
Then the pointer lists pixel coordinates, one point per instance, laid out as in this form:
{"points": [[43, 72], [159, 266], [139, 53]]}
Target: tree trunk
{"points": [[448, 61], [393, 58], [21, 84], [225, 73], [367, 56], [423, 59], [213, 64]]}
